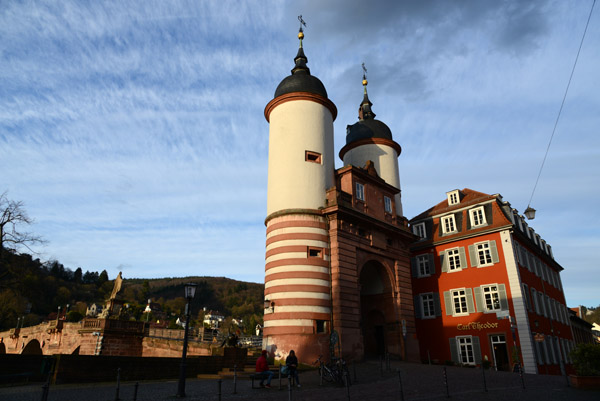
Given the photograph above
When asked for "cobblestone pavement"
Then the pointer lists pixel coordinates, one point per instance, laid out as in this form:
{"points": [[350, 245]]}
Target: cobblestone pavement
{"points": [[420, 382]]}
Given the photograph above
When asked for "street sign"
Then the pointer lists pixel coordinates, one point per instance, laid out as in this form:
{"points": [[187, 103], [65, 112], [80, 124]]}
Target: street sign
{"points": [[539, 337]]}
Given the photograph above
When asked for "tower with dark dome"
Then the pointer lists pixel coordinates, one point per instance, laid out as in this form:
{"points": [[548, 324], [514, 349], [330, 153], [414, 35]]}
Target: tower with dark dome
{"points": [[371, 139], [301, 169]]}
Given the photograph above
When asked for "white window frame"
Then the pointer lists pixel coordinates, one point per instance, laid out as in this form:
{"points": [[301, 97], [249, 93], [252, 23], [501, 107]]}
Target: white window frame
{"points": [[453, 257], [423, 266], [455, 295], [477, 217], [492, 292], [483, 250], [387, 204], [448, 224], [453, 197], [465, 342], [427, 305], [419, 230], [360, 191]]}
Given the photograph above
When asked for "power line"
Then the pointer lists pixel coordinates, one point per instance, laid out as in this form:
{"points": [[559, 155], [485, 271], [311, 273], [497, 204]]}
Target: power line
{"points": [[562, 104]]}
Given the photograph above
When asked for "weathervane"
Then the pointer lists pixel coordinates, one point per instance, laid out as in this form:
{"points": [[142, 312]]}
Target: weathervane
{"points": [[364, 82], [302, 22]]}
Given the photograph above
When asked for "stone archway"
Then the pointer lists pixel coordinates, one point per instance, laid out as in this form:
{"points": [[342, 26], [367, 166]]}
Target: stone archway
{"points": [[376, 306], [32, 348]]}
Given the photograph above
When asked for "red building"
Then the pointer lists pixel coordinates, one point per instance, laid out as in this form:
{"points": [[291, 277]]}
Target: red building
{"points": [[487, 287]]}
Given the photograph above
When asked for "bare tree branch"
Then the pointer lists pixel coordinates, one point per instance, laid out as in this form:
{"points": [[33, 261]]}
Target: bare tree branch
{"points": [[12, 216]]}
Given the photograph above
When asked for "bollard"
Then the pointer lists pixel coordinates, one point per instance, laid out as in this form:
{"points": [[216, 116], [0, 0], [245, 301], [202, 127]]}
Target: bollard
{"points": [[401, 388], [381, 365], [45, 389], [484, 382], [219, 388], [279, 374], [347, 383], [354, 369], [522, 380], [135, 390], [289, 388], [387, 361], [235, 378], [118, 384], [321, 372], [446, 383]]}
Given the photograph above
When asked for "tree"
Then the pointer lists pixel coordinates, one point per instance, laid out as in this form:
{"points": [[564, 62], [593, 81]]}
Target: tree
{"points": [[13, 215]]}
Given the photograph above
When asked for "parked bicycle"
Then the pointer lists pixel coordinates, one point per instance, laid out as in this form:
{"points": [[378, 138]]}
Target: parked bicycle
{"points": [[335, 371]]}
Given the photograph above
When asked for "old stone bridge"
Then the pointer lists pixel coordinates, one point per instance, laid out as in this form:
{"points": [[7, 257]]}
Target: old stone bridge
{"points": [[91, 336]]}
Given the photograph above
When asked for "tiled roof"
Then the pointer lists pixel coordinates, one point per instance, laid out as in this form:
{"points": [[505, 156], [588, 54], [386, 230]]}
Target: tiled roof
{"points": [[467, 197]]}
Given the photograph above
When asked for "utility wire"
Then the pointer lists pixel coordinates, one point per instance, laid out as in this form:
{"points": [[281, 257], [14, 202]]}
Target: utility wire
{"points": [[563, 103]]}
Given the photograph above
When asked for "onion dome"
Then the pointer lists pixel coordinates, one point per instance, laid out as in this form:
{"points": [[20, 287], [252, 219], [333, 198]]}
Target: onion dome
{"points": [[301, 80], [367, 126]]}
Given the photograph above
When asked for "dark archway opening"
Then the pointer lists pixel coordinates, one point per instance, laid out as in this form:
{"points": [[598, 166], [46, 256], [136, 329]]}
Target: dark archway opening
{"points": [[375, 303], [32, 348]]}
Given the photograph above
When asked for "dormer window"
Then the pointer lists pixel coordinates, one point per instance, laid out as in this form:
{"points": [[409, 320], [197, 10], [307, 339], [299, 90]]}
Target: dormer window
{"points": [[453, 197], [387, 201], [477, 217], [448, 224], [419, 230]]}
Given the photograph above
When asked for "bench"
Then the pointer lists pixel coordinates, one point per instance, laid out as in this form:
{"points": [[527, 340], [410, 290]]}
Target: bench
{"points": [[277, 374]]}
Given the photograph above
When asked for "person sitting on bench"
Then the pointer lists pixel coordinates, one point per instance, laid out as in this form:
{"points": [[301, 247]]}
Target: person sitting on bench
{"points": [[291, 362], [262, 370]]}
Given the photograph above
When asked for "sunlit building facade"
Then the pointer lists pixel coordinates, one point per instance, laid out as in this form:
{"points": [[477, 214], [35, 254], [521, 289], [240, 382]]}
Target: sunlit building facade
{"points": [[486, 287]]}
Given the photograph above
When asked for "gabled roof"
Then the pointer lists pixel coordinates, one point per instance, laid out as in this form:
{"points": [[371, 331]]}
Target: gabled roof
{"points": [[467, 197]]}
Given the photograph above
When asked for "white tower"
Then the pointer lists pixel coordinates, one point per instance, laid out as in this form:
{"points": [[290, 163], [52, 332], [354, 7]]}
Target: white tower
{"points": [[301, 169], [371, 139]]}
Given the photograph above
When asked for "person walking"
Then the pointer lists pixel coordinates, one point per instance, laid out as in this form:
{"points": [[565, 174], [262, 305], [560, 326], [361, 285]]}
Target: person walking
{"points": [[262, 369], [291, 362]]}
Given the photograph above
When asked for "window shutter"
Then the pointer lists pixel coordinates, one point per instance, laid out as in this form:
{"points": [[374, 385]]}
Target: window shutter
{"points": [[448, 302], [413, 266], [479, 300], [453, 350], [476, 349], [463, 258], [436, 304], [470, 305], [431, 260], [417, 306], [503, 297], [494, 251], [458, 218], [535, 301], [487, 209], [469, 219], [473, 255], [444, 262]]}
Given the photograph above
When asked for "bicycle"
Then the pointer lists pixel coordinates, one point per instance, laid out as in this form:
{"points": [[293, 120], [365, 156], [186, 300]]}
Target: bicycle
{"points": [[333, 372]]}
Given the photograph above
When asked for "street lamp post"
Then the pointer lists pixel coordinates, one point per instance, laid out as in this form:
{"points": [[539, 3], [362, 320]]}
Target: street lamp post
{"points": [[190, 291]]}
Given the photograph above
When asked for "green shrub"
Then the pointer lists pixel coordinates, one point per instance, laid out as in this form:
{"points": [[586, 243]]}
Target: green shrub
{"points": [[586, 359]]}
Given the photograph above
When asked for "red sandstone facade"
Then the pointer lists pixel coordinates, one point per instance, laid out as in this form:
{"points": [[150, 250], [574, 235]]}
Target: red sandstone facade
{"points": [[487, 287]]}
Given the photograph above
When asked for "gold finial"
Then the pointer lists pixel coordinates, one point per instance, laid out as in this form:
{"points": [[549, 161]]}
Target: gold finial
{"points": [[365, 82]]}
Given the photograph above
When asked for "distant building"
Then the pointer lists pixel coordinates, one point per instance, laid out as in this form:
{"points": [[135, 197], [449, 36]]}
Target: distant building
{"points": [[93, 310], [213, 319], [486, 286], [582, 330]]}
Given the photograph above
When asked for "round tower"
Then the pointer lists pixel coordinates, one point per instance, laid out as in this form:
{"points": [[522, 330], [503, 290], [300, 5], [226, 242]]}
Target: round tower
{"points": [[301, 169], [370, 139]]}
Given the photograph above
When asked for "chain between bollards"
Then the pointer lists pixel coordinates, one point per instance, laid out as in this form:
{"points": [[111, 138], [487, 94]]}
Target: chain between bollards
{"points": [[118, 384], [219, 382], [135, 390], [401, 388], [235, 378], [446, 383]]}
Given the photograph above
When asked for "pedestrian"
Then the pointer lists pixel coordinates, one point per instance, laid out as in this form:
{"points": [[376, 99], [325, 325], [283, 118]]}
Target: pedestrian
{"points": [[291, 362], [262, 369]]}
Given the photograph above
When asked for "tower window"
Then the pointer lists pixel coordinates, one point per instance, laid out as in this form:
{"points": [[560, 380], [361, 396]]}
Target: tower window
{"points": [[315, 253], [360, 191], [313, 157], [320, 326], [387, 204]]}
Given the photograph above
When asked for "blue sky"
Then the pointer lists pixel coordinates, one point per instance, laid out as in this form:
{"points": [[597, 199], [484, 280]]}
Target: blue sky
{"points": [[134, 130]]}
